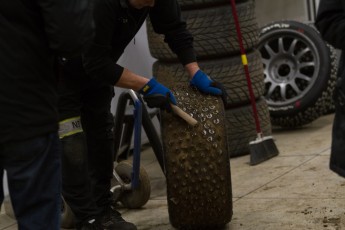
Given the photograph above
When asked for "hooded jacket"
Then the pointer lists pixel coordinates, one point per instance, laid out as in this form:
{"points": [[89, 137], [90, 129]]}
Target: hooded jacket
{"points": [[117, 23], [330, 21], [32, 34]]}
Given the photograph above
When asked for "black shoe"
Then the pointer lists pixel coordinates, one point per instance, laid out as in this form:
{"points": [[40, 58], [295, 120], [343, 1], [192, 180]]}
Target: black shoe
{"points": [[91, 225], [111, 220]]}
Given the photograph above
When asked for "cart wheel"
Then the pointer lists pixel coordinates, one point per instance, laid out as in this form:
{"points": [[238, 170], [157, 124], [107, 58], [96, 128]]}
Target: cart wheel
{"points": [[67, 216], [197, 162], [138, 197]]}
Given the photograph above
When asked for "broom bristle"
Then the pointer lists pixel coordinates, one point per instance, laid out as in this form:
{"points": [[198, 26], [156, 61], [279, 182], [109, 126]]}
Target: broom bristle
{"points": [[262, 149]]}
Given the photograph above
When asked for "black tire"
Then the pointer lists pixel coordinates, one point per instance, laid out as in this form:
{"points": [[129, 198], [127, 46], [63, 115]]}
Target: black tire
{"points": [[228, 71], [300, 72], [67, 216], [213, 30], [240, 126], [134, 198], [197, 162]]}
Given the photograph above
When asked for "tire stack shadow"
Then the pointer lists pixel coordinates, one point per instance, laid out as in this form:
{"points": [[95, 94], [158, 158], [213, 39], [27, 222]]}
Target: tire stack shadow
{"points": [[218, 53]]}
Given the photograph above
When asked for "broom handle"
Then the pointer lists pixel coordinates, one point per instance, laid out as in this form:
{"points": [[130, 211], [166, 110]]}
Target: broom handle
{"points": [[245, 65]]}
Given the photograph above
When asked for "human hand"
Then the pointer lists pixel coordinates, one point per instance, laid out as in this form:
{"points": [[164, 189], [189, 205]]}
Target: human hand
{"points": [[205, 84], [157, 95]]}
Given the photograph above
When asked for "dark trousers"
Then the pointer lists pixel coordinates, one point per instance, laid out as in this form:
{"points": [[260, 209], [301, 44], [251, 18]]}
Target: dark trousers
{"points": [[34, 181], [87, 160], [337, 159]]}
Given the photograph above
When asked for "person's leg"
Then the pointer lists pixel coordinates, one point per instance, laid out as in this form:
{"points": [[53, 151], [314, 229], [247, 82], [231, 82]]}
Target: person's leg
{"points": [[76, 188], [34, 178], [98, 124]]}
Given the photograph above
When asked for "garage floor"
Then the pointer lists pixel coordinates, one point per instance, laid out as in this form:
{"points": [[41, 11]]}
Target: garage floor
{"points": [[294, 190]]}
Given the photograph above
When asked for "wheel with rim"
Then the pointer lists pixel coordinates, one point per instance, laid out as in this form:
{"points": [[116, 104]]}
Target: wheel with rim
{"points": [[138, 197], [299, 71]]}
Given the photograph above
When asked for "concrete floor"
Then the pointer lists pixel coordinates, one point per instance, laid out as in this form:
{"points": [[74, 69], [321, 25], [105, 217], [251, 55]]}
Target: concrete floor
{"points": [[295, 190]]}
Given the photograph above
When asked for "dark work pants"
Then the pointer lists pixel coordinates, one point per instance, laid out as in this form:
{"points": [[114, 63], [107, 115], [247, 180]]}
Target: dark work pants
{"points": [[337, 159], [87, 160], [34, 180]]}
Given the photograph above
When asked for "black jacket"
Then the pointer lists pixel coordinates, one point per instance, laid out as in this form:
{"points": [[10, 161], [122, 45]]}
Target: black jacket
{"points": [[32, 34], [116, 24], [330, 21]]}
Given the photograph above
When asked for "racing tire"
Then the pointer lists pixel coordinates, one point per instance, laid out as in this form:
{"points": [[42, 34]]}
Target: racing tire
{"points": [[228, 71], [240, 126], [197, 162], [213, 30], [300, 72]]}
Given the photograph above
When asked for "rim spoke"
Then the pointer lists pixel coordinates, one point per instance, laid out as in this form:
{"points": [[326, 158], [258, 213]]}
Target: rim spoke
{"points": [[281, 45], [295, 87], [269, 50], [265, 61], [270, 90], [283, 91], [301, 53], [303, 77], [305, 64], [292, 47]]}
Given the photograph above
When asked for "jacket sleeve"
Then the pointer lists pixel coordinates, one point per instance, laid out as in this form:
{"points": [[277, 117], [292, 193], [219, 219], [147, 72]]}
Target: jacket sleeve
{"points": [[166, 19], [98, 60], [68, 24], [330, 21]]}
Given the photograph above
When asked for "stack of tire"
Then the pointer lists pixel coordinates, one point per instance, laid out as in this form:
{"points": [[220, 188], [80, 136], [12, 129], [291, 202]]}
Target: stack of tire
{"points": [[215, 42]]}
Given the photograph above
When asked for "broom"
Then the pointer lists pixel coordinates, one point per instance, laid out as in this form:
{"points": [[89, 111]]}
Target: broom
{"points": [[263, 148]]}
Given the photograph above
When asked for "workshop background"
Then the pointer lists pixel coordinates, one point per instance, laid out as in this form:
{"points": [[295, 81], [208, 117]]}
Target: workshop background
{"points": [[137, 56]]}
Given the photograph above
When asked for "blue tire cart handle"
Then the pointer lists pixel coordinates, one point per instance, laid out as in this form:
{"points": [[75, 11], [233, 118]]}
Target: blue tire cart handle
{"points": [[137, 139]]}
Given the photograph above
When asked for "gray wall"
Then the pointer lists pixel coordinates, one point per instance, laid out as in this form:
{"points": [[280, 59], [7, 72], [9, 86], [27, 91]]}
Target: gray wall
{"points": [[272, 10]]}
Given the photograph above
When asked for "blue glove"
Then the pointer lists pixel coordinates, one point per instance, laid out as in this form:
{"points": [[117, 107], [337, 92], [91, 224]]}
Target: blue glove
{"points": [[157, 95], [205, 84]]}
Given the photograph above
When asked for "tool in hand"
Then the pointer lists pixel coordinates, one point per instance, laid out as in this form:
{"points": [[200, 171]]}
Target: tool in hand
{"points": [[263, 148], [185, 116], [158, 100]]}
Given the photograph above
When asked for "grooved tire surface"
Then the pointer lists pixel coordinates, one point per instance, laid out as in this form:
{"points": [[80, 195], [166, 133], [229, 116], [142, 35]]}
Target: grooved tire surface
{"points": [[300, 73], [213, 30], [138, 197], [197, 162], [240, 126], [228, 71]]}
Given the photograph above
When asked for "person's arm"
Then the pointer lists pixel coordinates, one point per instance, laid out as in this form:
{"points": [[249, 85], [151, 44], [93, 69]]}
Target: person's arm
{"points": [[68, 24], [166, 19], [98, 60], [130, 80], [330, 22], [192, 68]]}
